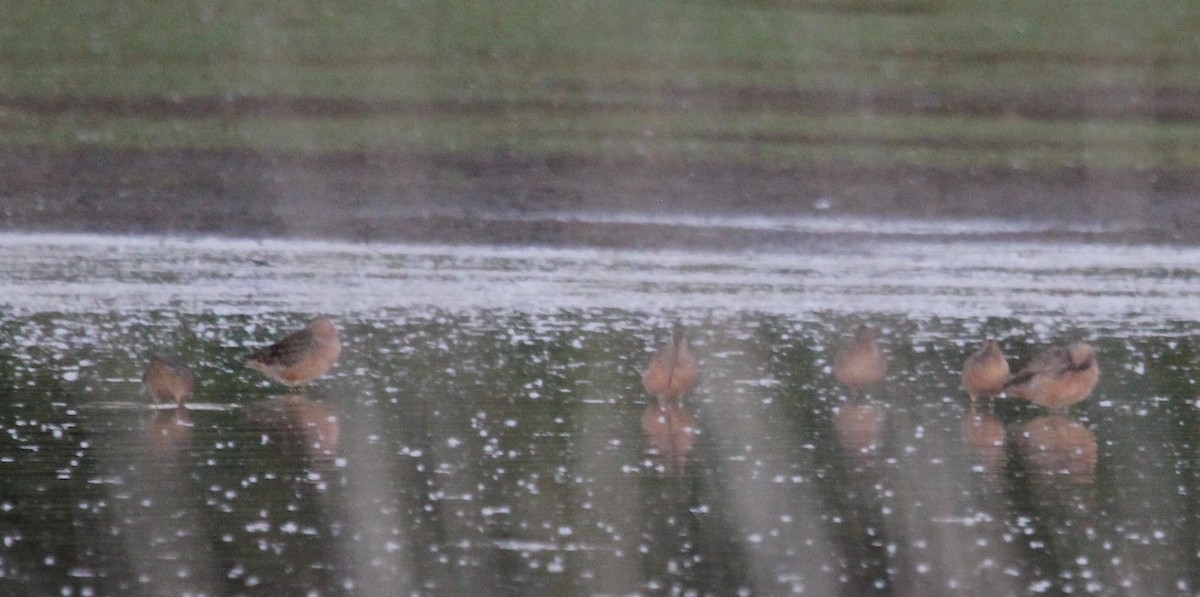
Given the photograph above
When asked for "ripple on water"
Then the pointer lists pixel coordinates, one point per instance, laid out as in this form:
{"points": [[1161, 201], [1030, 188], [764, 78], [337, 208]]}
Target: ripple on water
{"points": [[488, 410]]}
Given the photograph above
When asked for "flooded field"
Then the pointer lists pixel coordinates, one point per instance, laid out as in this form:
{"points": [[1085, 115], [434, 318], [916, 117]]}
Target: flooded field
{"points": [[486, 429]]}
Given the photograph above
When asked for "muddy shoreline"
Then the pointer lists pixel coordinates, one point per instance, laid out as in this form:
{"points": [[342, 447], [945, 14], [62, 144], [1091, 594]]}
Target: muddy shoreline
{"points": [[402, 197]]}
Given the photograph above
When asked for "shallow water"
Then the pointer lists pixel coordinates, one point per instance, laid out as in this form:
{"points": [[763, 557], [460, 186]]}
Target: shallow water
{"points": [[483, 430]]}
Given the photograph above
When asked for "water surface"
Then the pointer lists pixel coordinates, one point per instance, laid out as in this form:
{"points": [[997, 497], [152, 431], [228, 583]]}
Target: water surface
{"points": [[483, 431]]}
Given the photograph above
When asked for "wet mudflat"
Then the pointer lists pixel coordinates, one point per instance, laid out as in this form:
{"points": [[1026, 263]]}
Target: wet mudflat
{"points": [[486, 429]]}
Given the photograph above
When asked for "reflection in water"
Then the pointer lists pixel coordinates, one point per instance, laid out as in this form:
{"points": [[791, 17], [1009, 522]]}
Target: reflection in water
{"points": [[983, 437], [167, 380], [300, 357], [167, 432], [487, 444], [859, 426], [985, 372], [1058, 456], [1056, 445], [166, 538], [672, 371], [1058, 377], [311, 423], [671, 432], [858, 363]]}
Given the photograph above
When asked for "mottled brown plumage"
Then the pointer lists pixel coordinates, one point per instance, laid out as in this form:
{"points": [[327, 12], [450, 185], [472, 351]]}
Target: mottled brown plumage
{"points": [[672, 371], [858, 363], [1057, 378], [165, 380], [301, 356], [985, 372]]}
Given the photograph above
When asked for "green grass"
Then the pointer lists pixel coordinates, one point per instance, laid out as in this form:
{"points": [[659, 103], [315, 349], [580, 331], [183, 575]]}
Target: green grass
{"points": [[576, 51], [950, 142]]}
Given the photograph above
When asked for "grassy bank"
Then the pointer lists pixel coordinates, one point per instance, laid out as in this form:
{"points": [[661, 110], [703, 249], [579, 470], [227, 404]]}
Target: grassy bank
{"points": [[905, 82]]}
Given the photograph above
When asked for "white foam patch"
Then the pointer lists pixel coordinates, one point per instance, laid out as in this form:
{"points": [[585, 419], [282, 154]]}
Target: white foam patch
{"points": [[1087, 283], [815, 224]]}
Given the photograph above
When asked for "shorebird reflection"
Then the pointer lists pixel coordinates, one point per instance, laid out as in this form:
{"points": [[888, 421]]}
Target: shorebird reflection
{"points": [[671, 432], [859, 426], [983, 437], [311, 423], [1053, 445], [167, 431]]}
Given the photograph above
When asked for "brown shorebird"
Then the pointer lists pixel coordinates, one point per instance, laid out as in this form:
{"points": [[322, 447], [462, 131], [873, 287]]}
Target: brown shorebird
{"points": [[165, 379], [858, 362], [1057, 378], [985, 372], [301, 356], [672, 371]]}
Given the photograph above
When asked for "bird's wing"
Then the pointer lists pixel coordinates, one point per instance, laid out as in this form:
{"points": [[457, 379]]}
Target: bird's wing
{"points": [[288, 351], [1052, 362]]}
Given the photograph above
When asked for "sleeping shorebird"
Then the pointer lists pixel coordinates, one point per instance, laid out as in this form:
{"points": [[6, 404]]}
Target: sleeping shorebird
{"points": [[1057, 378], [985, 372], [165, 379], [672, 371], [858, 362], [301, 356]]}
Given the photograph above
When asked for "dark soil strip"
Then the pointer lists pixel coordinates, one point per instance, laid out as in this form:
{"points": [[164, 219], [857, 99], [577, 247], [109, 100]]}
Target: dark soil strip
{"points": [[423, 197], [1152, 103]]}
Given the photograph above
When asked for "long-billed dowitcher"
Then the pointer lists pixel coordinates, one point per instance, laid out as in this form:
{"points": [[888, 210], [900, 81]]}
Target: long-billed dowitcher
{"points": [[1057, 378], [672, 371], [858, 362], [166, 379], [301, 356], [985, 372]]}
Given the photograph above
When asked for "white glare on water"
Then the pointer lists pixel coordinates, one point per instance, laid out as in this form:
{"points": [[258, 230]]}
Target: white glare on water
{"points": [[490, 411], [1097, 285]]}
